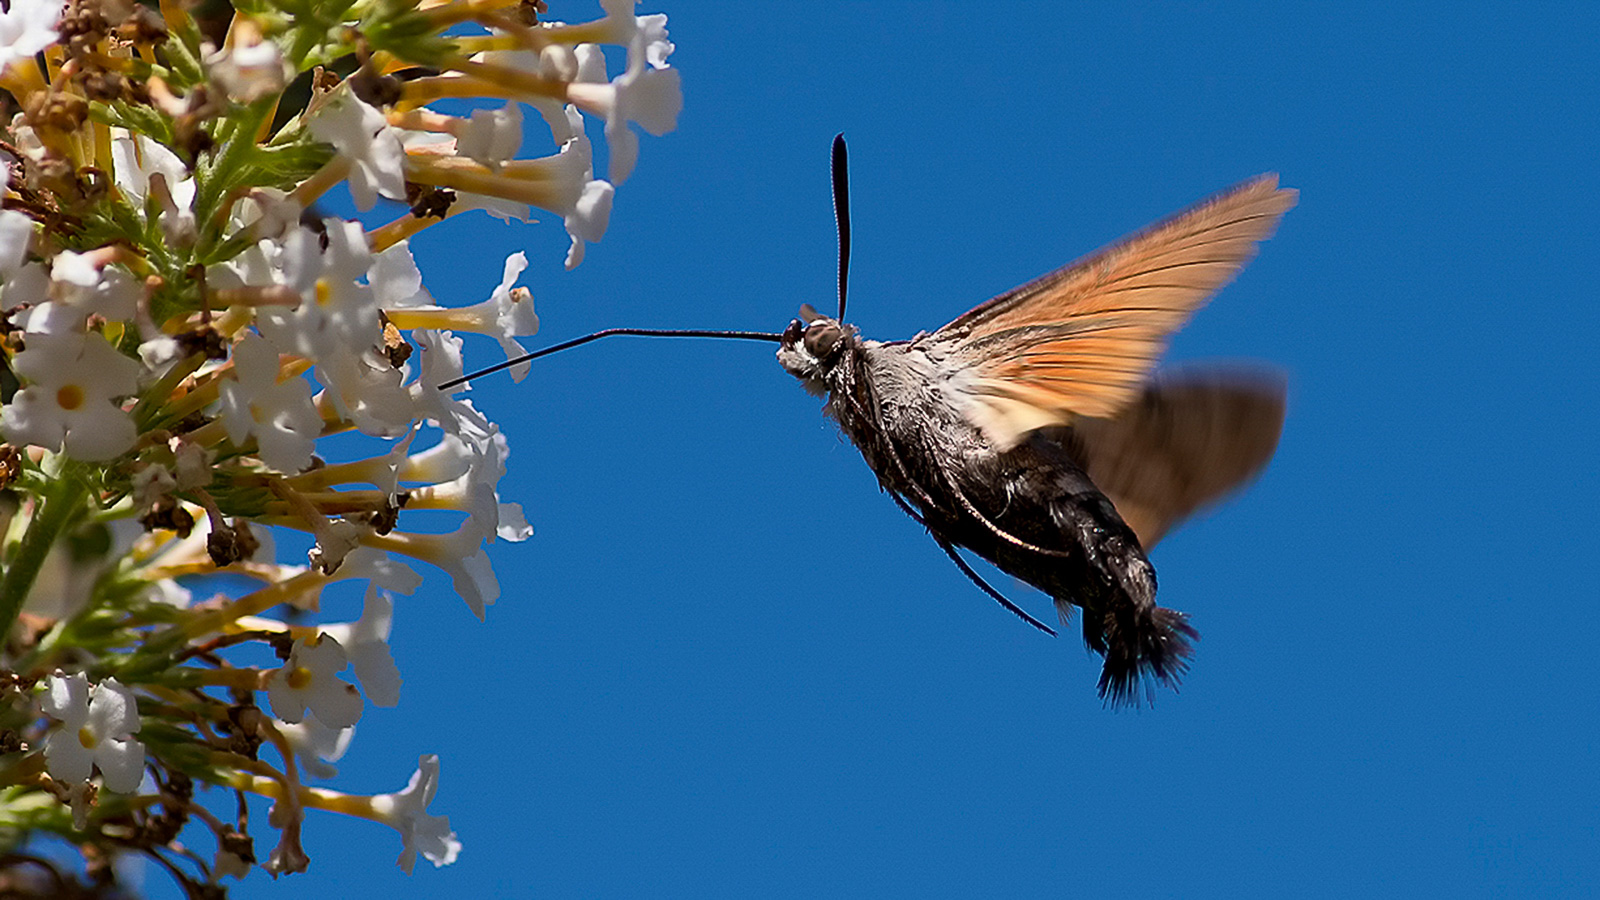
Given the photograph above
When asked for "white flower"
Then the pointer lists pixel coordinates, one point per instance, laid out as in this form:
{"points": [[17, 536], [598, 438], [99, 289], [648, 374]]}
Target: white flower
{"points": [[147, 170], [366, 640], [249, 71], [588, 219], [441, 362], [159, 352], [445, 461], [16, 230], [26, 27], [97, 725], [492, 136], [81, 285], [644, 36], [336, 324], [137, 159], [278, 414], [441, 358], [385, 571], [269, 212], [649, 96], [474, 490], [583, 202], [308, 681], [460, 554], [367, 390], [316, 745], [506, 315], [396, 281], [557, 62], [335, 539], [360, 132], [407, 813], [563, 184], [507, 211], [68, 401], [29, 283]]}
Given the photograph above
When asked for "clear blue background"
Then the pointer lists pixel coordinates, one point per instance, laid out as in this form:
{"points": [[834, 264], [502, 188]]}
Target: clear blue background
{"points": [[726, 665]]}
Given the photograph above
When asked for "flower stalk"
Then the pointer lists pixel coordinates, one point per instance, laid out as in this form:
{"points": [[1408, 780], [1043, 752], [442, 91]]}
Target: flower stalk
{"points": [[58, 506]]}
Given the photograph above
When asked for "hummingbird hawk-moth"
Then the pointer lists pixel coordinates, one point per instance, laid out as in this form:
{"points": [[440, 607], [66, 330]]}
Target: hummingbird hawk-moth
{"points": [[1029, 430], [1033, 431]]}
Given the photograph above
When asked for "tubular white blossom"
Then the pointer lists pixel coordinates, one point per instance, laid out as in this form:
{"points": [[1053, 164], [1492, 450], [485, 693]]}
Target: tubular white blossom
{"points": [[360, 133], [421, 831], [309, 682], [278, 414], [16, 232], [651, 97], [315, 745], [250, 69], [492, 136], [506, 315], [366, 641], [68, 402], [82, 285], [96, 731], [137, 159], [26, 27], [173, 308], [459, 554]]}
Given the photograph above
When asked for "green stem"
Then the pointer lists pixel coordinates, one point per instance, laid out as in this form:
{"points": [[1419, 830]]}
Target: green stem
{"points": [[236, 140], [61, 503]]}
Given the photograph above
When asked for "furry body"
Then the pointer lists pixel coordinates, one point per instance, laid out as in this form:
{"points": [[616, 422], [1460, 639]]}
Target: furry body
{"points": [[1032, 510]]}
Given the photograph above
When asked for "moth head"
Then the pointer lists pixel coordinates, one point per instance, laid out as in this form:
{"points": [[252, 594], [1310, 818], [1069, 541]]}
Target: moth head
{"points": [[811, 346]]}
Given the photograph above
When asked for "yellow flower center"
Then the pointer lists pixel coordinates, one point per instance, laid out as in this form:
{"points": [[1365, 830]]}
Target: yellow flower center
{"points": [[69, 397], [298, 678], [87, 738]]}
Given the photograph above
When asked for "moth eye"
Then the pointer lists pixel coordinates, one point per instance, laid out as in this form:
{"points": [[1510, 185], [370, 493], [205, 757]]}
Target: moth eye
{"points": [[791, 335], [821, 339]]}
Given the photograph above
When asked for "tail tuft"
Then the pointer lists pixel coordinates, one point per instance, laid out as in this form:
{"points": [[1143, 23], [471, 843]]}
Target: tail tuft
{"points": [[1143, 647]]}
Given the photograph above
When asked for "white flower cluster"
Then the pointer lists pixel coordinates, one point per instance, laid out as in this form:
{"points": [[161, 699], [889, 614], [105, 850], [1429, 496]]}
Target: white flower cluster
{"points": [[182, 343]]}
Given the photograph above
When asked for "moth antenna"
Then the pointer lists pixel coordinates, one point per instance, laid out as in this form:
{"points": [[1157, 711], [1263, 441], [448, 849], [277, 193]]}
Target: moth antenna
{"points": [[841, 213], [614, 332]]}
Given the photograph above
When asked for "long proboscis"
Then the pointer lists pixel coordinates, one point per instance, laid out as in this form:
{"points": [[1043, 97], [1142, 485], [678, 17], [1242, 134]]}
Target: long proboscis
{"points": [[614, 332]]}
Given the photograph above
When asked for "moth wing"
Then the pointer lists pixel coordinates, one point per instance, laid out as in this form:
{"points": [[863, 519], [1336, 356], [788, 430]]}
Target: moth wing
{"points": [[1188, 441], [1081, 341]]}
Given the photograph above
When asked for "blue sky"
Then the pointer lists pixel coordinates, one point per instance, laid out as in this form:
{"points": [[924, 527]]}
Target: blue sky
{"points": [[726, 665]]}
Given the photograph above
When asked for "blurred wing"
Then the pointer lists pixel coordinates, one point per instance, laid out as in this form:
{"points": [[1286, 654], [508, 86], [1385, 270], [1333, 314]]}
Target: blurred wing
{"points": [[1188, 441], [1082, 340]]}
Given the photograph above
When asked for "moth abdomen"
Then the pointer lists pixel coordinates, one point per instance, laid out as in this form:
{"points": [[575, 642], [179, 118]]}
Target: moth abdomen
{"points": [[1143, 647]]}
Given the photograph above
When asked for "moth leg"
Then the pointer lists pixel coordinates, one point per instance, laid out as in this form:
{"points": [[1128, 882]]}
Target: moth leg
{"points": [[966, 570], [1004, 535], [876, 415], [977, 579], [906, 508]]}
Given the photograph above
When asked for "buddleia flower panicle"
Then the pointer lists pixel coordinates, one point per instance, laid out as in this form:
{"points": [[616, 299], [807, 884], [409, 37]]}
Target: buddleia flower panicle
{"points": [[182, 330]]}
